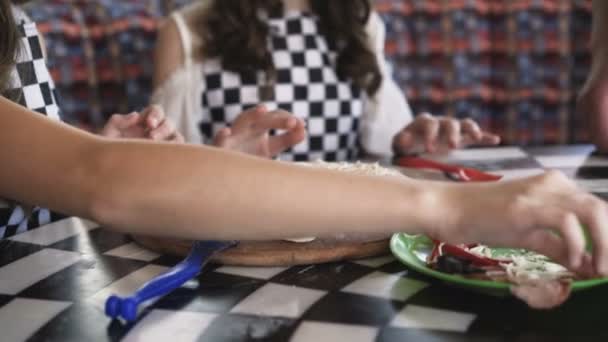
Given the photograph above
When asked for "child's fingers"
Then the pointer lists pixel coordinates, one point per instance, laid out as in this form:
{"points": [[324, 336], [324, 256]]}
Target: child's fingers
{"points": [[162, 132], [282, 142], [177, 137], [429, 129], [424, 129], [547, 243], [569, 228], [471, 129], [250, 116], [261, 108], [403, 141], [221, 138], [450, 130], [124, 121], [154, 115], [275, 120], [489, 139], [594, 214], [119, 123], [586, 270]]}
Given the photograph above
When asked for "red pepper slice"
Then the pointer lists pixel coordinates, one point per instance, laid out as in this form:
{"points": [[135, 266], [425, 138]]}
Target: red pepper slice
{"points": [[466, 255], [434, 253], [460, 252]]}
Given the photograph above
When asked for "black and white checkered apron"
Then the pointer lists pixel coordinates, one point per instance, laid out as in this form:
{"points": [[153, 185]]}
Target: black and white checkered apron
{"points": [[32, 87], [31, 84], [307, 85]]}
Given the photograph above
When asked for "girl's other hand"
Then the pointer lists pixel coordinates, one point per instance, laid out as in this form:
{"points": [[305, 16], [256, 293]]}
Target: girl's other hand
{"points": [[432, 134], [151, 124], [250, 132], [545, 213]]}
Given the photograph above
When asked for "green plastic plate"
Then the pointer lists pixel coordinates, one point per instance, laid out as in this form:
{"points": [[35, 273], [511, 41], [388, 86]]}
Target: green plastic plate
{"points": [[412, 250]]}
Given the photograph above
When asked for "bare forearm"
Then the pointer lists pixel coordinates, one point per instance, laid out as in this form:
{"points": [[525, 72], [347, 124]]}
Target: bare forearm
{"points": [[200, 192], [192, 191], [43, 162]]}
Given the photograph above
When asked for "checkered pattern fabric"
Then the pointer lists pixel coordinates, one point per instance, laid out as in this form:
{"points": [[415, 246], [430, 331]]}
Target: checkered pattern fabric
{"points": [[30, 82], [307, 85], [16, 219], [32, 87], [55, 280]]}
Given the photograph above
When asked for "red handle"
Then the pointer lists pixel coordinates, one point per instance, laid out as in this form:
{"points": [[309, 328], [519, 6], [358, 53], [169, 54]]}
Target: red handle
{"points": [[465, 174], [421, 163]]}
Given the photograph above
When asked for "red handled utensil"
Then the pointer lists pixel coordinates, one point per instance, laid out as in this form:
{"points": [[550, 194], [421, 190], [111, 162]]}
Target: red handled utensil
{"points": [[464, 174]]}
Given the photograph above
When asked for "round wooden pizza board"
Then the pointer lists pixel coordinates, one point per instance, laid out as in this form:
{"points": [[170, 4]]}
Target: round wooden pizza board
{"points": [[278, 253]]}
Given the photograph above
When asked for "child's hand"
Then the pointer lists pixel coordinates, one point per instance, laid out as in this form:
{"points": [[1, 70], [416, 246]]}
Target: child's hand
{"points": [[151, 123], [250, 132], [543, 213], [439, 134]]}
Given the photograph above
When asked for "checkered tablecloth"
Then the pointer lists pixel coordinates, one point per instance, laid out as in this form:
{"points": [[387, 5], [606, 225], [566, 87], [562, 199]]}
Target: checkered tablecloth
{"points": [[55, 279]]}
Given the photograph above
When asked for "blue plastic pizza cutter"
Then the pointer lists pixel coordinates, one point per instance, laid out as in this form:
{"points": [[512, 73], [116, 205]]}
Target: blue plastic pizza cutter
{"points": [[127, 307]]}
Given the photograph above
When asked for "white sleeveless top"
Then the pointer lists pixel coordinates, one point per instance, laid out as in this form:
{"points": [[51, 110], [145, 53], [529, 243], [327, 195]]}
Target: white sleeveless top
{"points": [[201, 98]]}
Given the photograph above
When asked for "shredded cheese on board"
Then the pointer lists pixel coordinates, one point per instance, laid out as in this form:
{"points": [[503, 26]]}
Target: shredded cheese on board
{"points": [[370, 169]]}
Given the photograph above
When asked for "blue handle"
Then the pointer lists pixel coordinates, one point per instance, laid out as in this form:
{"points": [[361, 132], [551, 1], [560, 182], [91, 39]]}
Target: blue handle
{"points": [[163, 284]]}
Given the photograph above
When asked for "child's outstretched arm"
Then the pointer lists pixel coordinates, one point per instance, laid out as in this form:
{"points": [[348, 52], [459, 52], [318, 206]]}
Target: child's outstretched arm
{"points": [[191, 191], [207, 193]]}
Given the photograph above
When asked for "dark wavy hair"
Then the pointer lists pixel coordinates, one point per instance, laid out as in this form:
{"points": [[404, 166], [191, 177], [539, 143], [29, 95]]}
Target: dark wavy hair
{"points": [[233, 31], [9, 43]]}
